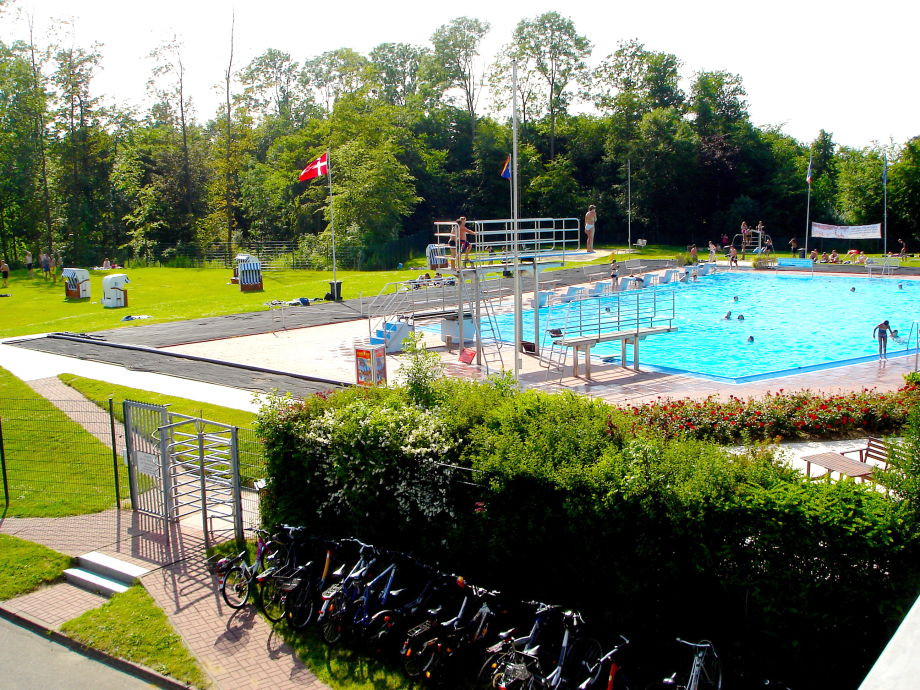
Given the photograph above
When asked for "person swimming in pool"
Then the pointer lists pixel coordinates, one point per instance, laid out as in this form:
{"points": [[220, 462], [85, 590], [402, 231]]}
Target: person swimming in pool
{"points": [[881, 332], [750, 339], [741, 317], [727, 316]]}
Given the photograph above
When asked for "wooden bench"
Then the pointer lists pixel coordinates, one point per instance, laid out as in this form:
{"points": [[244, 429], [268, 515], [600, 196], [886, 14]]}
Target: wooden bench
{"points": [[858, 469], [794, 263], [584, 343]]}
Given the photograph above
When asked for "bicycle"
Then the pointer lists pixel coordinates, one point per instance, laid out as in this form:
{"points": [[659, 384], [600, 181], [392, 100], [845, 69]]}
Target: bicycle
{"points": [[338, 599], [594, 672], [577, 655], [271, 595], [500, 653], [236, 577], [705, 669], [300, 591]]}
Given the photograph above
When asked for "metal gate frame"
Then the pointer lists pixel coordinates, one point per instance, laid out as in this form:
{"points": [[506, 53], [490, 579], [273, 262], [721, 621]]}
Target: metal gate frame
{"points": [[194, 465]]}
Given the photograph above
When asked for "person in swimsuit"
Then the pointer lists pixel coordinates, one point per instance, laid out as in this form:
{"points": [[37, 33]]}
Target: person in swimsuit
{"points": [[712, 251], [4, 271], [881, 332], [590, 222], [732, 257], [463, 246]]}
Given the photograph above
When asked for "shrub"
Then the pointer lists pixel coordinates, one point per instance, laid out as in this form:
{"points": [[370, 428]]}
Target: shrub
{"points": [[648, 529]]}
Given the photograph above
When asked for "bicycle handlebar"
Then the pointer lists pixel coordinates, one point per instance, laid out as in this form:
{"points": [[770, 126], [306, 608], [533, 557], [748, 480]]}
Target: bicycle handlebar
{"points": [[697, 645]]}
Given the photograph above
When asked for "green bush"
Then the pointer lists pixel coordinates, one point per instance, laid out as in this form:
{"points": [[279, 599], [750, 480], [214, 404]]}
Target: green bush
{"points": [[649, 531]]}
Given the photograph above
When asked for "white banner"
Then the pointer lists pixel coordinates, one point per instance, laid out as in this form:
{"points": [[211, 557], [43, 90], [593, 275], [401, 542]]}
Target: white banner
{"points": [[847, 232]]}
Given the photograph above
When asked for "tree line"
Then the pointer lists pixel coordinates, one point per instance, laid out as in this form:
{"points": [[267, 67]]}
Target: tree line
{"points": [[411, 142]]}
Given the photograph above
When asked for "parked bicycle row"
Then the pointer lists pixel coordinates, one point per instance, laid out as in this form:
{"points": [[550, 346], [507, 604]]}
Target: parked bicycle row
{"points": [[443, 630]]}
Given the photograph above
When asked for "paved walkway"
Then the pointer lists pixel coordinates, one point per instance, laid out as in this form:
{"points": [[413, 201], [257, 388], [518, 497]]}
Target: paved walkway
{"points": [[235, 648]]}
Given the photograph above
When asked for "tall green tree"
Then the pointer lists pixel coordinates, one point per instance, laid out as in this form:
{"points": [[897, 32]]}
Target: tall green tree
{"points": [[558, 52], [452, 61], [397, 70]]}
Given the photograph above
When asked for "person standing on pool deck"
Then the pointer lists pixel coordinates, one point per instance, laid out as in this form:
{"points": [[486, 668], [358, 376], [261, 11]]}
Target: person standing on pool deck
{"points": [[712, 251], [732, 257], [590, 222], [794, 247], [881, 331]]}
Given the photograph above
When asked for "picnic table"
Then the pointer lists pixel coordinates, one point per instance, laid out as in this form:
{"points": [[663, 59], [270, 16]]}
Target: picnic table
{"points": [[835, 462]]}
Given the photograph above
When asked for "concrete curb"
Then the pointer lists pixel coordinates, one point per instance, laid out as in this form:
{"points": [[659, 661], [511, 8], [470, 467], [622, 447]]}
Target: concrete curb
{"points": [[141, 672]]}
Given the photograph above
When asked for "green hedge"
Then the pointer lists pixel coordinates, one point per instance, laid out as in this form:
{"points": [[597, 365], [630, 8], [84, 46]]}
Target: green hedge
{"points": [[562, 498]]}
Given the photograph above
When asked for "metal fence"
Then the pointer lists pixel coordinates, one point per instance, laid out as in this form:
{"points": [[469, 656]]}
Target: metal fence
{"points": [[67, 458], [58, 458]]}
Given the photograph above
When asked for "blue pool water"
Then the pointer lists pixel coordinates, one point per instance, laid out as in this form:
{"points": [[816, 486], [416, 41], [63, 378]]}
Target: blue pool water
{"points": [[799, 323]]}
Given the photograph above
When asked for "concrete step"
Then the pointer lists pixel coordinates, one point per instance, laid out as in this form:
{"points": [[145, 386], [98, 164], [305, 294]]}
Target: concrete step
{"points": [[93, 582], [103, 574], [111, 567]]}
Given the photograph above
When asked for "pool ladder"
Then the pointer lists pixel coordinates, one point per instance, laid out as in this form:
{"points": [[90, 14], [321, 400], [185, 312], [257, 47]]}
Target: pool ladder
{"points": [[914, 335]]}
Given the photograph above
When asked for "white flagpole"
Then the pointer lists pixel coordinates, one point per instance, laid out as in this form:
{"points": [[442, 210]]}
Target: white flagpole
{"points": [[335, 281], [885, 212], [808, 207], [518, 315], [629, 204]]}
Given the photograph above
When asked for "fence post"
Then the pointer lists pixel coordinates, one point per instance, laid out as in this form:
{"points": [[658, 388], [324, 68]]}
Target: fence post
{"points": [[6, 489], [204, 488], [235, 483], [114, 453]]}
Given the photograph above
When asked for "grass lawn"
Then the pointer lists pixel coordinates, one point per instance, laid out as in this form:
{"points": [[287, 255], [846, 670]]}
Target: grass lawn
{"points": [[167, 294], [131, 626], [54, 466], [26, 566], [99, 392]]}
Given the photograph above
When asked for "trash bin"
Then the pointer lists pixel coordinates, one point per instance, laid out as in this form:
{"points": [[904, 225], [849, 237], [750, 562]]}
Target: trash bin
{"points": [[335, 291], [801, 253], [114, 293], [76, 283]]}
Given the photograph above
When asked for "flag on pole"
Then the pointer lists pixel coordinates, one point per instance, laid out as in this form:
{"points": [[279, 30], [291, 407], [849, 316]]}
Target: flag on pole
{"points": [[315, 168], [506, 168], [808, 174]]}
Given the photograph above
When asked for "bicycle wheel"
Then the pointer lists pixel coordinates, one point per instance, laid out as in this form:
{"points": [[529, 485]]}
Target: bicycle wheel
{"points": [[491, 669], [272, 599], [417, 657], [235, 588], [300, 606], [582, 664], [333, 622], [710, 672]]}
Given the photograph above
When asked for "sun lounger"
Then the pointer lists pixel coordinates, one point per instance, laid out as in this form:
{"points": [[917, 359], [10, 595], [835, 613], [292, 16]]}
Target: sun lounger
{"points": [[599, 288], [572, 293]]}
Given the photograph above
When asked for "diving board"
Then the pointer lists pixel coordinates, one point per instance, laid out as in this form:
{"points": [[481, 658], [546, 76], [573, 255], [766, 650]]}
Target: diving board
{"points": [[584, 343]]}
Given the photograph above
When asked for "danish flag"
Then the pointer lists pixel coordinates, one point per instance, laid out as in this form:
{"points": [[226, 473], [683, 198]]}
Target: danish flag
{"points": [[315, 168]]}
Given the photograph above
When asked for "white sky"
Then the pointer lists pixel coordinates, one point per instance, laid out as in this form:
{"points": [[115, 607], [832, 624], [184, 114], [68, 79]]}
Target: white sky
{"points": [[844, 66]]}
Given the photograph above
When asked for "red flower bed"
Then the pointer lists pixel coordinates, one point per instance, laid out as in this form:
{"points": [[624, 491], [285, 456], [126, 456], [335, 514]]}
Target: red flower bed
{"points": [[802, 414]]}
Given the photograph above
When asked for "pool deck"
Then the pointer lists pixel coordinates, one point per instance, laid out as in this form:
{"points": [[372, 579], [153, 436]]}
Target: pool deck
{"points": [[320, 340]]}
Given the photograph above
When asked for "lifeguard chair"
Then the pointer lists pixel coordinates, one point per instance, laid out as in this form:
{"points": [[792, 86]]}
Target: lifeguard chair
{"points": [[114, 292], [76, 283]]}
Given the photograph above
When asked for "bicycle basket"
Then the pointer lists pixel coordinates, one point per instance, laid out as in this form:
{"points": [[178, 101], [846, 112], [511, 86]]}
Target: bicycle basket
{"points": [[516, 671]]}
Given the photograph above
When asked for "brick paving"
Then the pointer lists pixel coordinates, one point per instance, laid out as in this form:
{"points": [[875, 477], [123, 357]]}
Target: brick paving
{"points": [[235, 648]]}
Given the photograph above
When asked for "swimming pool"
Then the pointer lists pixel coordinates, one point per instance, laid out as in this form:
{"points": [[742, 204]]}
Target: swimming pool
{"points": [[799, 323]]}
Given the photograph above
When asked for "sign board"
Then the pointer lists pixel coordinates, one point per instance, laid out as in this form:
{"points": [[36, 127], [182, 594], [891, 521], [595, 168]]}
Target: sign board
{"points": [[147, 463], [847, 232], [371, 365]]}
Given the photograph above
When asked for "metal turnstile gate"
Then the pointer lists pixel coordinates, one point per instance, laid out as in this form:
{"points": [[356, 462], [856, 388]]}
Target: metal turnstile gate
{"points": [[180, 466]]}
